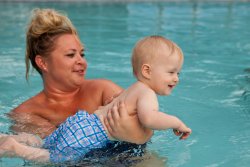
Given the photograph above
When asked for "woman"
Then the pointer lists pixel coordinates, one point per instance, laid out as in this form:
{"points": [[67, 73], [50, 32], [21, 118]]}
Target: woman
{"points": [[55, 51]]}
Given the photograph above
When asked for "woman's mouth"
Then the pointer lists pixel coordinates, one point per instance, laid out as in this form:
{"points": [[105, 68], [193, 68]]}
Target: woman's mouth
{"points": [[80, 72]]}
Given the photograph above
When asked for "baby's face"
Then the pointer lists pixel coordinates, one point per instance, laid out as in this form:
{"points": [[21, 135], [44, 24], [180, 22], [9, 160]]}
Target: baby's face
{"points": [[165, 71]]}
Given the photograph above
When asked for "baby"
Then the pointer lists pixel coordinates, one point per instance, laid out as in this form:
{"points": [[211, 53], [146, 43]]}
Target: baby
{"points": [[156, 63]]}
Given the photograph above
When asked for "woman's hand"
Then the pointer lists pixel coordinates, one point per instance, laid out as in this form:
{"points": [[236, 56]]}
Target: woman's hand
{"points": [[124, 127]]}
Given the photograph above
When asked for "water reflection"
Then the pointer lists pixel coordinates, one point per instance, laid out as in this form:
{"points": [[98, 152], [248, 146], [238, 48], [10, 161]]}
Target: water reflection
{"points": [[246, 93]]}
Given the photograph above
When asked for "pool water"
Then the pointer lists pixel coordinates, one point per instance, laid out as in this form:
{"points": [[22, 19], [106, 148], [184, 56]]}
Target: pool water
{"points": [[213, 96]]}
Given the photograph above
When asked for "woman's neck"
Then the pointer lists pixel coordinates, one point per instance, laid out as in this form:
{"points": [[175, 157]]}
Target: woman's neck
{"points": [[53, 94]]}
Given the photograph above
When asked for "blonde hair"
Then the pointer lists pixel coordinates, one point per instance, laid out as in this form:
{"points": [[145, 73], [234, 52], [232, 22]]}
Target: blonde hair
{"points": [[44, 27], [149, 48]]}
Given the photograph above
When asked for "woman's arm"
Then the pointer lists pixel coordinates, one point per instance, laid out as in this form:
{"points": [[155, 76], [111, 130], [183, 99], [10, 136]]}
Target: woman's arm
{"points": [[31, 123]]}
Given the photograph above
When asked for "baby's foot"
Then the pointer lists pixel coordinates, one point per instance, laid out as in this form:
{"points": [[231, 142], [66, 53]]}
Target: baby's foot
{"points": [[2, 135], [7, 145]]}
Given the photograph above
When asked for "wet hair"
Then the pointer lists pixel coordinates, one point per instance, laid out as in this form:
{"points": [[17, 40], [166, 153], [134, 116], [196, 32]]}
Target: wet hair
{"points": [[44, 27], [149, 48]]}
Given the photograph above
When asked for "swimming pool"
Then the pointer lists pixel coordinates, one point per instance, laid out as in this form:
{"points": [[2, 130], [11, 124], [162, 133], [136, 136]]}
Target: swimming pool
{"points": [[213, 96]]}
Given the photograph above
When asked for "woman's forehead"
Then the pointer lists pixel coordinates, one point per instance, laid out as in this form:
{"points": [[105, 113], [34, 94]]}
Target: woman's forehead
{"points": [[68, 41]]}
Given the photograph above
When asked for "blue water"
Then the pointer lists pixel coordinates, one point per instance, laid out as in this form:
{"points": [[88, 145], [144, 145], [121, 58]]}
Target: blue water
{"points": [[213, 96]]}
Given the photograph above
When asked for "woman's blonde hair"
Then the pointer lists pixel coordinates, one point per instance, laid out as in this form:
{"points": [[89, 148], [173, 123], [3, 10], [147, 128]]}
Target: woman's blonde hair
{"points": [[149, 48], [44, 27]]}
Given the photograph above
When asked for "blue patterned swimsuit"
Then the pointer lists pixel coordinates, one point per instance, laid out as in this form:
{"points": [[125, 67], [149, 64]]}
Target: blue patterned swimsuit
{"points": [[75, 137]]}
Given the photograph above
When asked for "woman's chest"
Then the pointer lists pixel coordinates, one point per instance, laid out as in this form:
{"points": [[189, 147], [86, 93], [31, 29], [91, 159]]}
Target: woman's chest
{"points": [[58, 113]]}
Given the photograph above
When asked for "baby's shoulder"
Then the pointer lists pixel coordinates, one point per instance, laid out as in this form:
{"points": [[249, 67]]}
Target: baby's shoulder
{"points": [[139, 93], [142, 90]]}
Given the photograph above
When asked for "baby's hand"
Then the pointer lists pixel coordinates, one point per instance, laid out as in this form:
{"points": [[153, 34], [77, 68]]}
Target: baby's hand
{"points": [[183, 132]]}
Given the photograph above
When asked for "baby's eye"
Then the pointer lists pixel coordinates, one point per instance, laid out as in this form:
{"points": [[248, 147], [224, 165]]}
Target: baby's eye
{"points": [[83, 55], [173, 73]]}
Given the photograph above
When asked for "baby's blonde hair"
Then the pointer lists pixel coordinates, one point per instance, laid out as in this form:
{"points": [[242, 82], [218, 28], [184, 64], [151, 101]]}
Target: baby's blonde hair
{"points": [[149, 48], [44, 27]]}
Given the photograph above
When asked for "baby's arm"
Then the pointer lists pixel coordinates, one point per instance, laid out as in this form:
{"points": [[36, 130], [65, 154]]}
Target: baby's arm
{"points": [[12, 148], [150, 117]]}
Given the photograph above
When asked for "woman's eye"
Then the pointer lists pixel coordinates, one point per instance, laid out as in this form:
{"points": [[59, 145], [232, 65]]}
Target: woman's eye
{"points": [[70, 55], [82, 54]]}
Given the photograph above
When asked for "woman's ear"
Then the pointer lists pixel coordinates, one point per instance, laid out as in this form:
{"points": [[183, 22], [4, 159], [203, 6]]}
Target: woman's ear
{"points": [[146, 71], [40, 62]]}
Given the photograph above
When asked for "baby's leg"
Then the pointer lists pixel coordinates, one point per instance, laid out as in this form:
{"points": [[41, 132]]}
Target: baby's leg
{"points": [[29, 139], [11, 148]]}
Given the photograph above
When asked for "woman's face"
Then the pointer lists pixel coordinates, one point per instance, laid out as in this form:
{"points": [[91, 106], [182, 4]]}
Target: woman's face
{"points": [[66, 65]]}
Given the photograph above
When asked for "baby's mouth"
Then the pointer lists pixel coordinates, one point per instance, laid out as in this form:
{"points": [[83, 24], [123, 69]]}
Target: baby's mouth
{"points": [[171, 86]]}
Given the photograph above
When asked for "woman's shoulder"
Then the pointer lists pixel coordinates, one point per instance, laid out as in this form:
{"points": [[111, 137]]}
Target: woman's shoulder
{"points": [[99, 80], [102, 88], [28, 106], [101, 84]]}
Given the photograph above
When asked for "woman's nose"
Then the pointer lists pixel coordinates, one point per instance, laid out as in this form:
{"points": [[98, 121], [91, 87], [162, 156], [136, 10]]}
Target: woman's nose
{"points": [[80, 59]]}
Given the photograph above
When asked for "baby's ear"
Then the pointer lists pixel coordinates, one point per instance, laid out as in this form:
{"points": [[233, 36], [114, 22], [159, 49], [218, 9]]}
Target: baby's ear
{"points": [[146, 71]]}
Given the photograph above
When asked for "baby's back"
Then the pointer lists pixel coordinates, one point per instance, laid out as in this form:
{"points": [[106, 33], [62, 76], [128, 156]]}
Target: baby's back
{"points": [[128, 96]]}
